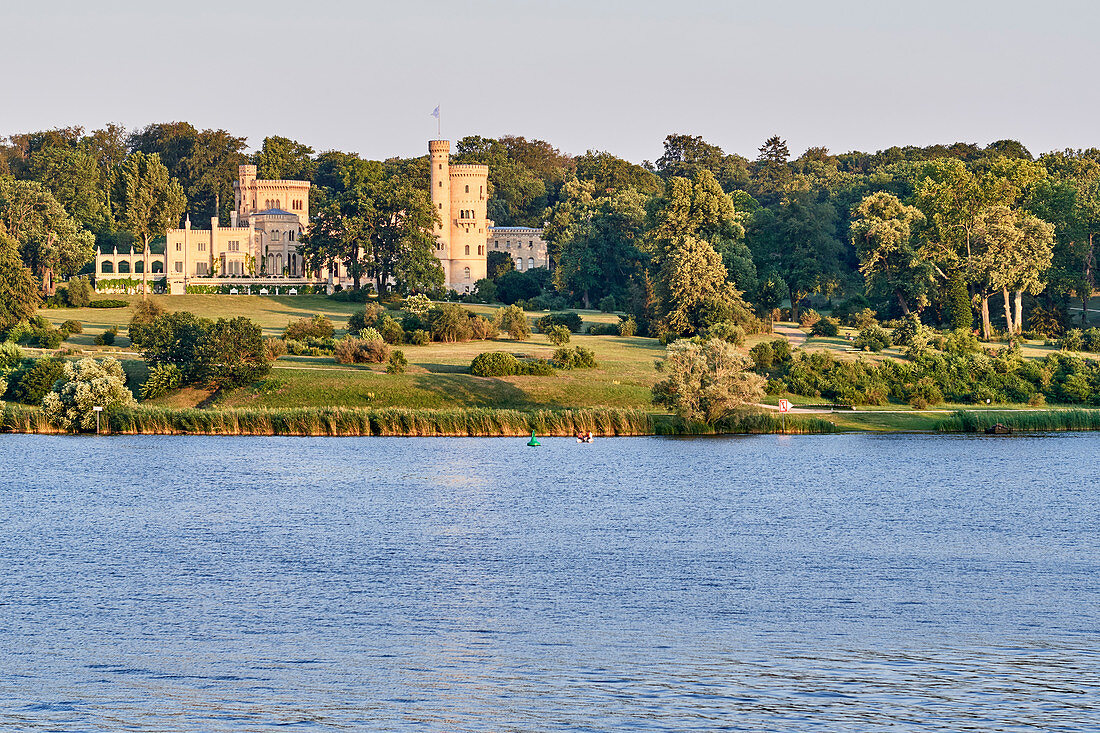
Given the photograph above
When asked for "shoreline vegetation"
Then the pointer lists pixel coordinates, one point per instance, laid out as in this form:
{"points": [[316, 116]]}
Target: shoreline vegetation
{"points": [[488, 422]]}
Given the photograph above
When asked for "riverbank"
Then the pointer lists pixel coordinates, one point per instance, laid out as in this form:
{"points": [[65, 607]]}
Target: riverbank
{"points": [[487, 422]]}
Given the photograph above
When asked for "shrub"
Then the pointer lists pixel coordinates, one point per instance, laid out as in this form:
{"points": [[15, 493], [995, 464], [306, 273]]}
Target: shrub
{"points": [[419, 337], [827, 327], [30, 385], [847, 310], [70, 327], [107, 303], [482, 328], [274, 348], [872, 338], [1092, 340], [576, 358], [907, 330], [10, 357], [78, 294], [366, 318], [607, 304], [84, 385], [391, 330], [1073, 340], [863, 319], [418, 304], [536, 368], [602, 329], [726, 331], [318, 327], [960, 342], [781, 348], [762, 356], [145, 312], [163, 378], [569, 319], [397, 363], [370, 334], [107, 338], [449, 323], [494, 364], [513, 321], [1048, 322], [628, 327], [924, 394], [351, 350], [557, 335], [808, 317]]}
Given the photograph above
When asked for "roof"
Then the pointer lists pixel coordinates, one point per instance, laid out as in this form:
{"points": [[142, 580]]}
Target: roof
{"points": [[274, 212]]}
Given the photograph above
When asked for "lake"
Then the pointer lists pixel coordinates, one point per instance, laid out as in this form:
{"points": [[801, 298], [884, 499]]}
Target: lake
{"points": [[832, 583]]}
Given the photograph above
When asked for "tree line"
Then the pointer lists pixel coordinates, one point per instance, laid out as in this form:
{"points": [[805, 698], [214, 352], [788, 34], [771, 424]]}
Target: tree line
{"points": [[953, 233]]}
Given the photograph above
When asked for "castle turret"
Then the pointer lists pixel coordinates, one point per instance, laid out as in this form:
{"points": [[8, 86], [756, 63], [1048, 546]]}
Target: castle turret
{"points": [[243, 189], [440, 151]]}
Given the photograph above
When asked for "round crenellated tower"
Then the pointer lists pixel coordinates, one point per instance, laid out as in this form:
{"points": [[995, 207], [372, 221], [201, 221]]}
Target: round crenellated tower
{"points": [[460, 195], [439, 152]]}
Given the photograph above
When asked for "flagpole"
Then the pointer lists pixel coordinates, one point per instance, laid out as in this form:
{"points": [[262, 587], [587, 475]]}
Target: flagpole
{"points": [[439, 123]]}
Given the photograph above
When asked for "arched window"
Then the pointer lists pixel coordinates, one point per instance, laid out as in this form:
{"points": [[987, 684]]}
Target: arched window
{"points": [[519, 263], [278, 204], [158, 266], [466, 272], [530, 263], [139, 267], [107, 267], [123, 267], [467, 249], [481, 249]]}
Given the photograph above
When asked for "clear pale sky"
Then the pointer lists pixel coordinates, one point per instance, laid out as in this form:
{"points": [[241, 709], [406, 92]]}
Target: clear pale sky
{"points": [[583, 74]]}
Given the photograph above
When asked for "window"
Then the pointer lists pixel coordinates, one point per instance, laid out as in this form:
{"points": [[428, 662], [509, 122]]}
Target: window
{"points": [[466, 272], [481, 191], [107, 267], [467, 189], [278, 204], [290, 235], [441, 184], [202, 268], [202, 246], [467, 249], [234, 246], [481, 249], [179, 246], [519, 263], [441, 206], [179, 266], [530, 263], [274, 236], [440, 166], [530, 244]]}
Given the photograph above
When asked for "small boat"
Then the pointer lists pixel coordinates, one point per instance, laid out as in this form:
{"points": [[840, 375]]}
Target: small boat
{"points": [[585, 437]]}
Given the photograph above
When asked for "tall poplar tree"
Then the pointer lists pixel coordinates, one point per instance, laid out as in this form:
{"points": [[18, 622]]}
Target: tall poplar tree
{"points": [[147, 202]]}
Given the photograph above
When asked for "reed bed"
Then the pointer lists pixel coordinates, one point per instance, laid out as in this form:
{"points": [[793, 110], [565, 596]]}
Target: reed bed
{"points": [[969, 421], [471, 422]]}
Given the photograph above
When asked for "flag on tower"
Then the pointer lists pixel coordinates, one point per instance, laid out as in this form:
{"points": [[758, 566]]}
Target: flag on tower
{"points": [[435, 112]]}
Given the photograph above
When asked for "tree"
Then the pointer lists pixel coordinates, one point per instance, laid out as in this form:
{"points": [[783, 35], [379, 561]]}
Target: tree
{"points": [[498, 263], [381, 229], [512, 320], [692, 289], [771, 168], [958, 313], [600, 251], [1011, 251], [706, 382], [798, 240], [18, 291], [86, 384], [686, 155], [75, 180], [607, 173], [147, 202], [50, 241], [882, 233], [281, 158], [232, 354]]}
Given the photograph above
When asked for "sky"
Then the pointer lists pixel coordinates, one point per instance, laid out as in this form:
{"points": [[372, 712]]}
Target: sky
{"points": [[583, 74]]}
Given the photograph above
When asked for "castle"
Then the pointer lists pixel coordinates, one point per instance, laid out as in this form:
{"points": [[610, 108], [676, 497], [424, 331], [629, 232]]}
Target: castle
{"points": [[260, 243], [259, 248]]}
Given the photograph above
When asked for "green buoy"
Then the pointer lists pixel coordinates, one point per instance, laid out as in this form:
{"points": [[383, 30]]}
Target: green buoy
{"points": [[533, 440]]}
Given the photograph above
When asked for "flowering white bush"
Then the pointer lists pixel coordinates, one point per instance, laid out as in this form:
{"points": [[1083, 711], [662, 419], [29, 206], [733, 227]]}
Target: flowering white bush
{"points": [[86, 383], [706, 381], [418, 304]]}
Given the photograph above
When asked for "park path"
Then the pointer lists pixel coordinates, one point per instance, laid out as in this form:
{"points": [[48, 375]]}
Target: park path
{"points": [[795, 336]]}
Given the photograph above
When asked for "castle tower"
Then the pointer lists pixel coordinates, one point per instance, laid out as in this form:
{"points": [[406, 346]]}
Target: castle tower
{"points": [[244, 188], [460, 194], [439, 152]]}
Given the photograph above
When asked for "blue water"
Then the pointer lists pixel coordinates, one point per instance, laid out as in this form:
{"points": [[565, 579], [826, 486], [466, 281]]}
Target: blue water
{"points": [[834, 583]]}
